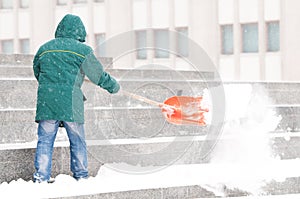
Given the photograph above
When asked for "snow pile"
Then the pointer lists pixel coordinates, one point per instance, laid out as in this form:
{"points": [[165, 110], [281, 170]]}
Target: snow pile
{"points": [[209, 176], [245, 139]]}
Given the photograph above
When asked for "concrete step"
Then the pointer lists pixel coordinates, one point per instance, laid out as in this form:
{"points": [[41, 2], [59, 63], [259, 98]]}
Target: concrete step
{"points": [[16, 72], [15, 66], [18, 93], [22, 71], [16, 60], [18, 126], [288, 189], [21, 93], [196, 192], [290, 117], [163, 193], [159, 152]]}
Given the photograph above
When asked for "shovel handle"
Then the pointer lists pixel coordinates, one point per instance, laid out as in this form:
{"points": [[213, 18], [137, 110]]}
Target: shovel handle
{"points": [[142, 99]]}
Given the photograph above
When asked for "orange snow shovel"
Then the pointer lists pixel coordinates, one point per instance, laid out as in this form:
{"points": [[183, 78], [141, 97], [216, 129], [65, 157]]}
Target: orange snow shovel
{"points": [[178, 110]]}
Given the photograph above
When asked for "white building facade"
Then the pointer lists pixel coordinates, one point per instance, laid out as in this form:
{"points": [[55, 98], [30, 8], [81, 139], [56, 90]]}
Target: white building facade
{"points": [[248, 40]]}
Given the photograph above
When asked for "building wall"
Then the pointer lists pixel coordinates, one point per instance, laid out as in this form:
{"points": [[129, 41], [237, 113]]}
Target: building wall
{"points": [[42, 22], [290, 40], [260, 65], [202, 19], [203, 27]]}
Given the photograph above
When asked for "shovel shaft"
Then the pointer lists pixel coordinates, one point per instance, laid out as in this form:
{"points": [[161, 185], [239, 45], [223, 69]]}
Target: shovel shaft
{"points": [[142, 99]]}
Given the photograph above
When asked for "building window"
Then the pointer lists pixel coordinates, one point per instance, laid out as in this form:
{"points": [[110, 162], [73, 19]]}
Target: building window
{"points": [[24, 3], [62, 2], [227, 39], [273, 36], [182, 42], [100, 44], [6, 4], [141, 43], [250, 38], [79, 1], [7, 46], [24, 46], [161, 43]]}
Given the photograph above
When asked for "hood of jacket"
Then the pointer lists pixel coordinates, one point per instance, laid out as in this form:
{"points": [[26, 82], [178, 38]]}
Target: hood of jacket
{"points": [[71, 26]]}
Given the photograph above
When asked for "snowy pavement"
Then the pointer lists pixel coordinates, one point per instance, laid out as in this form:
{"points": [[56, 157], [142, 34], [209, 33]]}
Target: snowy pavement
{"points": [[112, 178], [286, 196]]}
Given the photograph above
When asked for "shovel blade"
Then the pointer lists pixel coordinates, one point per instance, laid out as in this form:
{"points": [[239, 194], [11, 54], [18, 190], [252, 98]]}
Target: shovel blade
{"points": [[184, 110]]}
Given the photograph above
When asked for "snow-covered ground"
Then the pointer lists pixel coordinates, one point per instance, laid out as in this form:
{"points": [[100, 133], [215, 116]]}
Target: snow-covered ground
{"points": [[250, 178], [245, 161], [286, 196]]}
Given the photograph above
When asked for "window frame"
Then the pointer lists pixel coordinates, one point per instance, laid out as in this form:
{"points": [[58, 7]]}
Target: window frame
{"points": [[137, 46], [80, 2], [156, 51], [179, 43], [2, 46], [22, 46], [3, 7], [243, 36], [58, 3], [268, 38], [222, 49], [22, 6]]}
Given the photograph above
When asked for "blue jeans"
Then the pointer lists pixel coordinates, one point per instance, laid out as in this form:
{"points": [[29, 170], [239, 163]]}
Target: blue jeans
{"points": [[47, 131]]}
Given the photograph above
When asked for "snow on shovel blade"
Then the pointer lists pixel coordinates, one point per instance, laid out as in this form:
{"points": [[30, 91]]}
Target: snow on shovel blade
{"points": [[182, 110]]}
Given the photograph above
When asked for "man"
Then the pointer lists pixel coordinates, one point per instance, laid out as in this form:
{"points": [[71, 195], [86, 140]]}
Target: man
{"points": [[60, 66]]}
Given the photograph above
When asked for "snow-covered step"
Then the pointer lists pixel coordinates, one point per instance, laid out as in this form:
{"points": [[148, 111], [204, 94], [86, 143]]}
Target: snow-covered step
{"points": [[285, 196], [16, 66], [272, 179], [17, 93], [61, 140], [22, 71], [21, 92], [17, 125], [12, 66], [16, 60], [157, 151], [290, 115], [16, 72]]}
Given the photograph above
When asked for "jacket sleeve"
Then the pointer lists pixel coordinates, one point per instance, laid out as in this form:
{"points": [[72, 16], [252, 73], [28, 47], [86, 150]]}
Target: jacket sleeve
{"points": [[36, 67], [109, 83], [93, 69]]}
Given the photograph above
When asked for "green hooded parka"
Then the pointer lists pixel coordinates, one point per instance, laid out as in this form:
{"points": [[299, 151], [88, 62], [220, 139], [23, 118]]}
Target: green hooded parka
{"points": [[60, 66]]}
